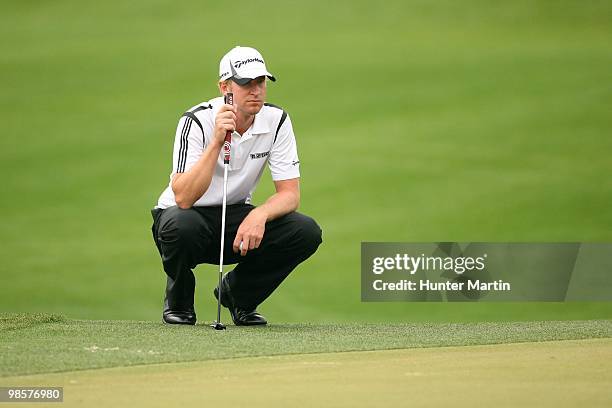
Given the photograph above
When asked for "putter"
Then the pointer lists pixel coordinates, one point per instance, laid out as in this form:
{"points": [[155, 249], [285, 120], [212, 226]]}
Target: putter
{"points": [[217, 325]]}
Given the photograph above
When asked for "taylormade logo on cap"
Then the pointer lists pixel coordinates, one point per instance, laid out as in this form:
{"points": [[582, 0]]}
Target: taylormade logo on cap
{"points": [[238, 64], [241, 64]]}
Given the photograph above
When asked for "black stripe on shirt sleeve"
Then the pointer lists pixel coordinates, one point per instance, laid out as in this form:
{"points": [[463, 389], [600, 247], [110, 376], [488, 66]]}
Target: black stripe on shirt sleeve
{"points": [[282, 119], [201, 107], [192, 114], [195, 119], [182, 156], [280, 123]]}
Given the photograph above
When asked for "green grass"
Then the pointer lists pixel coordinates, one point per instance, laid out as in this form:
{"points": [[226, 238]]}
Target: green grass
{"points": [[546, 374], [42, 343], [452, 121]]}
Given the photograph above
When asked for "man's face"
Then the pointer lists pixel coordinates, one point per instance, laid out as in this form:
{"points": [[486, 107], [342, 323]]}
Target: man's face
{"points": [[249, 98]]}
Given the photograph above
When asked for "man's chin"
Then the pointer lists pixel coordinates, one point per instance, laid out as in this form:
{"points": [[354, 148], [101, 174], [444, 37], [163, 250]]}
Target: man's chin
{"points": [[253, 108]]}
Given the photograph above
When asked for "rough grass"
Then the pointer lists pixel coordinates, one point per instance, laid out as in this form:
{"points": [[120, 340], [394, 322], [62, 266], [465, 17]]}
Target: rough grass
{"points": [[48, 343]]}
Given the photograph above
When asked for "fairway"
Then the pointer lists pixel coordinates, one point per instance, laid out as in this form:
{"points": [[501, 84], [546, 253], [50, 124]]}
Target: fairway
{"points": [[454, 121], [547, 374]]}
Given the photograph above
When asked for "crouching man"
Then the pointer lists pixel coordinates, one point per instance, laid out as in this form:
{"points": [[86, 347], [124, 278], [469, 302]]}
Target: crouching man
{"points": [[266, 242]]}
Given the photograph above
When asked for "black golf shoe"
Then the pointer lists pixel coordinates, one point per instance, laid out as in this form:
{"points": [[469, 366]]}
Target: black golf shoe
{"points": [[176, 317], [185, 315], [241, 317]]}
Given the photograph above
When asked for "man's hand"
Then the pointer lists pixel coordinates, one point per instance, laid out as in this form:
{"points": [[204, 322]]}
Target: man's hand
{"points": [[251, 231], [225, 121]]}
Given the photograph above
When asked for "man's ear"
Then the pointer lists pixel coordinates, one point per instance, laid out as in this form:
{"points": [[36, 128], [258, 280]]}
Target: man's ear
{"points": [[225, 87]]}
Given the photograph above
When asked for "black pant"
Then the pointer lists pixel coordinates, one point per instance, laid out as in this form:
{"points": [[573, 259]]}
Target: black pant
{"points": [[189, 237]]}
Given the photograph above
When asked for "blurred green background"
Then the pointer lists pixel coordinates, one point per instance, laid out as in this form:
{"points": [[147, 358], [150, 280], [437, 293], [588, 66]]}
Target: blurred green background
{"points": [[416, 121]]}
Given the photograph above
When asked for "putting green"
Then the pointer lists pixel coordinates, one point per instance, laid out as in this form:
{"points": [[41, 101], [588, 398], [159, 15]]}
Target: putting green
{"points": [[556, 374]]}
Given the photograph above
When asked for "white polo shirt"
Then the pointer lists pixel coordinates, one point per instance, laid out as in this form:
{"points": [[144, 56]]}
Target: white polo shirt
{"points": [[270, 140]]}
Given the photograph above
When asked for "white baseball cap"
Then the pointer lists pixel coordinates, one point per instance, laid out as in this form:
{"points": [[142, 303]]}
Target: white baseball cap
{"points": [[242, 64]]}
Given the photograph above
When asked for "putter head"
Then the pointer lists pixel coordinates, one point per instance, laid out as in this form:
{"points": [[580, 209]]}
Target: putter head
{"points": [[218, 326]]}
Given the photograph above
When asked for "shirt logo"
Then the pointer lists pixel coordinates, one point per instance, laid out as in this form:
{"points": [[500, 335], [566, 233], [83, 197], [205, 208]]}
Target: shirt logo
{"points": [[295, 162], [259, 155]]}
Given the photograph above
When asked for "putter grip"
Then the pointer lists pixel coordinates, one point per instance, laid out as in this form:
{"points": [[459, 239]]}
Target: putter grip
{"points": [[227, 143]]}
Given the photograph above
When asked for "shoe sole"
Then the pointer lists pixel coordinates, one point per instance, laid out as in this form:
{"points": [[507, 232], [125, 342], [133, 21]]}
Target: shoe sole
{"points": [[250, 324], [177, 324]]}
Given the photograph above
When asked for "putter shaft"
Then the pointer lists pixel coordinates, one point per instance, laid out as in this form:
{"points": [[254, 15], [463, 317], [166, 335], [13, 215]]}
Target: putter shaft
{"points": [[223, 209], [227, 145]]}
